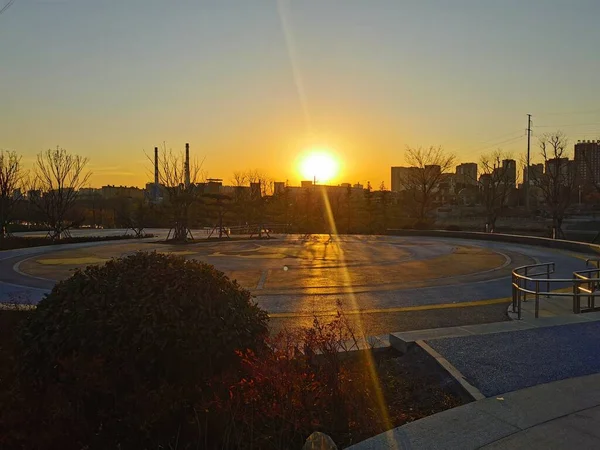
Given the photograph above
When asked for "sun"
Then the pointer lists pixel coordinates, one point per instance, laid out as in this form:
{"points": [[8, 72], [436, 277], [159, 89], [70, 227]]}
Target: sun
{"points": [[319, 165]]}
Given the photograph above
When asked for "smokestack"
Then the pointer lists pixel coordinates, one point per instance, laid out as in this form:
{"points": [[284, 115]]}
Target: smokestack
{"points": [[187, 165], [155, 173]]}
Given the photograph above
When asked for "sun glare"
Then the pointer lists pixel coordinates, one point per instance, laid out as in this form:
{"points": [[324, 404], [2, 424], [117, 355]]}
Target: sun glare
{"points": [[320, 165]]}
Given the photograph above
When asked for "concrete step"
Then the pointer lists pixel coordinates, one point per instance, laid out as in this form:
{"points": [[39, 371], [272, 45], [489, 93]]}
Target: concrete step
{"points": [[403, 340]]}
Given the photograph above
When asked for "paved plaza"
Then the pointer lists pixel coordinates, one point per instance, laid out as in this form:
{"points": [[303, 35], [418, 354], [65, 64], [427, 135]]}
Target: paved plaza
{"points": [[384, 283], [540, 376]]}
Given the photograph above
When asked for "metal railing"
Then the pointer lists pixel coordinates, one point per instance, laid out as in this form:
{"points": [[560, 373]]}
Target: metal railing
{"points": [[534, 280], [525, 280], [585, 284]]}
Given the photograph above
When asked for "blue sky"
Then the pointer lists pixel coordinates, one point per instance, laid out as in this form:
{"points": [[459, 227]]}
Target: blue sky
{"points": [[110, 79]]}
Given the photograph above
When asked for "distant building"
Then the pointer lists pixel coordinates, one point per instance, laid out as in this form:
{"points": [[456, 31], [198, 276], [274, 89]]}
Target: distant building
{"points": [[466, 175], [255, 190], [485, 180], [89, 192], [306, 183], [213, 186], [509, 168], [537, 170], [587, 162], [561, 169], [278, 187], [400, 177], [109, 192], [432, 169]]}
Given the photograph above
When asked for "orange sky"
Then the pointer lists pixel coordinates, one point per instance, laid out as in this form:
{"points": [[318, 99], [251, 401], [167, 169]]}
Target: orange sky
{"points": [[253, 86]]}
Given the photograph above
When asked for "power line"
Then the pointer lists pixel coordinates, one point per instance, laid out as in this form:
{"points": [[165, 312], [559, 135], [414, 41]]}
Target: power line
{"points": [[503, 136], [8, 5], [572, 113], [570, 125], [498, 143]]}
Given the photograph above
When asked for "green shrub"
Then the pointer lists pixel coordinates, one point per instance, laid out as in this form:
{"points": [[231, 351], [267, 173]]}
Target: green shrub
{"points": [[125, 351]]}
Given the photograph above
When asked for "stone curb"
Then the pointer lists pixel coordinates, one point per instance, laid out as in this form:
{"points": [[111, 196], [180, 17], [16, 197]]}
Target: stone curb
{"points": [[473, 392]]}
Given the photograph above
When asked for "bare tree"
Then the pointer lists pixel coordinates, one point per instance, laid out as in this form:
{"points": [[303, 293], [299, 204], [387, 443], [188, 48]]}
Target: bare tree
{"points": [[261, 187], [495, 183], [239, 179], [58, 175], [558, 182], [134, 214], [180, 195], [428, 165], [11, 182]]}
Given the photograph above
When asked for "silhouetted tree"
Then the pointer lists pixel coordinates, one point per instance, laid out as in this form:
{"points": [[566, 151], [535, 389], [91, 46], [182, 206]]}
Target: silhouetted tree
{"points": [[180, 197], [422, 182], [11, 186], [558, 181], [134, 214], [58, 175], [495, 184]]}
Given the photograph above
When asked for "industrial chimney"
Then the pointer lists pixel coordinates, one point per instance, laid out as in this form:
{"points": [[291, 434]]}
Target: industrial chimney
{"points": [[187, 165], [155, 193]]}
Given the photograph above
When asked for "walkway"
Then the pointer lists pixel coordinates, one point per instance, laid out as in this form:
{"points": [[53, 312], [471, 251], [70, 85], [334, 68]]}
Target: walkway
{"points": [[560, 415]]}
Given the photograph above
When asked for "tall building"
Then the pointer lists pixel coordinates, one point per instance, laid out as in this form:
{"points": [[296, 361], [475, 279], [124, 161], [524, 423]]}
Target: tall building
{"points": [[561, 170], [587, 162], [537, 170], [400, 177], [466, 175], [509, 167]]}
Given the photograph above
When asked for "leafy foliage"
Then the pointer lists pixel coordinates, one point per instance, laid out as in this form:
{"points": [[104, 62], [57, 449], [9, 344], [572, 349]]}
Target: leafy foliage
{"points": [[126, 350]]}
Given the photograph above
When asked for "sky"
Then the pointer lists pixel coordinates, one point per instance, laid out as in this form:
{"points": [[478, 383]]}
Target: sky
{"points": [[255, 84]]}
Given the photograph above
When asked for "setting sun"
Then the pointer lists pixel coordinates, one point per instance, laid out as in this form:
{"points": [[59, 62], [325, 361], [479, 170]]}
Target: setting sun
{"points": [[320, 165]]}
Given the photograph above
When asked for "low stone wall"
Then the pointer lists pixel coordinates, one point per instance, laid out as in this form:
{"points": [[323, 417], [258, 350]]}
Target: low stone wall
{"points": [[580, 247]]}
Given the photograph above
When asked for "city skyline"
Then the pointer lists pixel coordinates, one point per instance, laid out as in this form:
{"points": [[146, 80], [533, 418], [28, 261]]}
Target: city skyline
{"points": [[255, 86]]}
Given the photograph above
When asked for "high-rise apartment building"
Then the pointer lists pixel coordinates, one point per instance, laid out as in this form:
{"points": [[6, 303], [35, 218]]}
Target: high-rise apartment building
{"points": [[535, 171], [587, 162], [466, 175]]}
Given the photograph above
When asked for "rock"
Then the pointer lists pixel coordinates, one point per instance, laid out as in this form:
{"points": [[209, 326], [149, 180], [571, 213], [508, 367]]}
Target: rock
{"points": [[319, 441]]}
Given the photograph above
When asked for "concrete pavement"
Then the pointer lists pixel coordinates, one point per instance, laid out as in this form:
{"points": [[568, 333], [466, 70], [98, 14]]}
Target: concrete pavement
{"points": [[560, 415], [387, 283]]}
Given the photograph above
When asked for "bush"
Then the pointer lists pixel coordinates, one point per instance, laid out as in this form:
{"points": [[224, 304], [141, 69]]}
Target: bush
{"points": [[125, 352], [453, 228]]}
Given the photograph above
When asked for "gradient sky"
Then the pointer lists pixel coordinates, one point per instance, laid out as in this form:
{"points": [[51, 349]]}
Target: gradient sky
{"points": [[252, 83]]}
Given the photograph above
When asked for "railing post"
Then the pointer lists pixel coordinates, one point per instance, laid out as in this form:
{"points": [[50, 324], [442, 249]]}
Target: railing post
{"points": [[575, 296], [514, 293], [519, 302], [548, 281], [537, 298]]}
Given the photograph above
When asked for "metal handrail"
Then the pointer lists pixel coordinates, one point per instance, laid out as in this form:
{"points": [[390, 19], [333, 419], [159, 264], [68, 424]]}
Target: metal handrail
{"points": [[589, 292], [582, 285], [595, 261]]}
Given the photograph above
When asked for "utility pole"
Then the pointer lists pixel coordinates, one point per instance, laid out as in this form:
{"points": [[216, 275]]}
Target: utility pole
{"points": [[528, 161]]}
